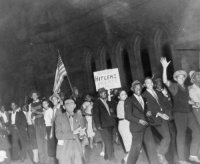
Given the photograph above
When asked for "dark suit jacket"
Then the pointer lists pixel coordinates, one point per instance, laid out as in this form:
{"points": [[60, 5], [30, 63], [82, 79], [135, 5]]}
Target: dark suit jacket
{"points": [[134, 112], [101, 116], [154, 107], [20, 120]]}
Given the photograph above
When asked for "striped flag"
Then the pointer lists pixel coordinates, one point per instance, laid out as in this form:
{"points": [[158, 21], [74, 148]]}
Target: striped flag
{"points": [[60, 74]]}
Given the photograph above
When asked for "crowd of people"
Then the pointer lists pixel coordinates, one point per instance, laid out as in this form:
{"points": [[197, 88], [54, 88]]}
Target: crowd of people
{"points": [[153, 119]]}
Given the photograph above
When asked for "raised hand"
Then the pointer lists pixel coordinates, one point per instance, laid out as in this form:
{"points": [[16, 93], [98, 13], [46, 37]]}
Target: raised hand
{"points": [[164, 62]]}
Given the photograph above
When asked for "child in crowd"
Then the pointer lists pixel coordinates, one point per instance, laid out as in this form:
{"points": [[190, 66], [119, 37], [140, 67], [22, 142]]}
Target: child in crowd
{"points": [[87, 111]]}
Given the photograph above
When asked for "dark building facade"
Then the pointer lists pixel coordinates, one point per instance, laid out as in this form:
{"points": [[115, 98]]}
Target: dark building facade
{"points": [[93, 35]]}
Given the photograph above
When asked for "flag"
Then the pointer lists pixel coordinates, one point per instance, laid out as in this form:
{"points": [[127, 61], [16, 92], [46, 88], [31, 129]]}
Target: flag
{"points": [[60, 74]]}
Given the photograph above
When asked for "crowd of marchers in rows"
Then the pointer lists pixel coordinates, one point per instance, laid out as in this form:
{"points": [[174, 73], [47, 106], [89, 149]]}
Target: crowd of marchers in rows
{"points": [[58, 129]]}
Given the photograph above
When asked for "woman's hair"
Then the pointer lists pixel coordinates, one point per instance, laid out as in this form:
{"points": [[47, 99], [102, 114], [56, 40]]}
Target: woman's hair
{"points": [[46, 100], [120, 91]]}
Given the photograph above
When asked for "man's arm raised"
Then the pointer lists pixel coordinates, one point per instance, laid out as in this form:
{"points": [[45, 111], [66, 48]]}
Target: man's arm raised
{"points": [[165, 64]]}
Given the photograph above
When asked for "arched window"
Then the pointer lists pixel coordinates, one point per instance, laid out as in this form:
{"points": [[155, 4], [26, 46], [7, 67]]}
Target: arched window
{"points": [[123, 61], [105, 59], [108, 61], [162, 49], [90, 68], [145, 60], [142, 57]]}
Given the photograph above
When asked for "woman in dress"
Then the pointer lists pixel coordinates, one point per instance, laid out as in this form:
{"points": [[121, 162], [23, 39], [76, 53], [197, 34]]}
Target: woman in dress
{"points": [[87, 111], [123, 125]]}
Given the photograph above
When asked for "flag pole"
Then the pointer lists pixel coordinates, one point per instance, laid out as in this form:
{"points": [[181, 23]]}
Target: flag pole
{"points": [[67, 75]]}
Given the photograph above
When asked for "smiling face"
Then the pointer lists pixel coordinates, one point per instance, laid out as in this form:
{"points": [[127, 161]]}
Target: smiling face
{"points": [[180, 79], [149, 83], [137, 89], [55, 100], [122, 96], [45, 104], [103, 95], [34, 96]]}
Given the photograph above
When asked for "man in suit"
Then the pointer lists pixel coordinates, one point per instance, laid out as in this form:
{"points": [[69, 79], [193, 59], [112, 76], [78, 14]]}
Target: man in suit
{"points": [[135, 112], [104, 121], [67, 128], [156, 104], [18, 133]]}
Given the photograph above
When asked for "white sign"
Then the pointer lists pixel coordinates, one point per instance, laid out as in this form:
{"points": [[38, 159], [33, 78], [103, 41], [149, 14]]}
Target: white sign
{"points": [[109, 79]]}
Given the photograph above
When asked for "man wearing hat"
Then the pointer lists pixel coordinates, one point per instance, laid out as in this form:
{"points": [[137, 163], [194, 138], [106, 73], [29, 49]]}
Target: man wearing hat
{"points": [[194, 92], [135, 112], [104, 121], [182, 113]]}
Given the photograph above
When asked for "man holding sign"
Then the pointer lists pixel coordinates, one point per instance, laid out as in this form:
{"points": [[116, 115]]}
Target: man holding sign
{"points": [[104, 121]]}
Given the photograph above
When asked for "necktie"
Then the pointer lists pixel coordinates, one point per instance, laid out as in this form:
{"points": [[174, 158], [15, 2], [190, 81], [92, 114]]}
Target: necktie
{"points": [[141, 101], [156, 97]]}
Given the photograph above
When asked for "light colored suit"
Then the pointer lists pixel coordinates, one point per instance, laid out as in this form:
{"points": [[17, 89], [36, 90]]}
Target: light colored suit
{"points": [[69, 148]]}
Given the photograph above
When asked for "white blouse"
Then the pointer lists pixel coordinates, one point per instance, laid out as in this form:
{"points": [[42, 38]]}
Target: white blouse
{"points": [[48, 115]]}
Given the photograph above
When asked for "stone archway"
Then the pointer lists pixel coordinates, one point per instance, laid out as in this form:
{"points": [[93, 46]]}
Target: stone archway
{"points": [[162, 47], [105, 58], [142, 56], [123, 62], [90, 67]]}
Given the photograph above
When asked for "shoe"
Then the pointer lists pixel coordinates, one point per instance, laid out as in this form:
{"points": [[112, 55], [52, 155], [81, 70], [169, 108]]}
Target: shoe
{"points": [[184, 162], [162, 159], [123, 161], [194, 159], [102, 154], [114, 159]]}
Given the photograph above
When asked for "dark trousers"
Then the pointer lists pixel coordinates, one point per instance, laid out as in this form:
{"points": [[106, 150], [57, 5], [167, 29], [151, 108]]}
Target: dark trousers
{"points": [[41, 142], [182, 121], [165, 142], [144, 137], [19, 143], [107, 137]]}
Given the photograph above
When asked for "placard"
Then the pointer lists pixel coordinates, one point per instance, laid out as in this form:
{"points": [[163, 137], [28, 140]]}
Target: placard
{"points": [[109, 79]]}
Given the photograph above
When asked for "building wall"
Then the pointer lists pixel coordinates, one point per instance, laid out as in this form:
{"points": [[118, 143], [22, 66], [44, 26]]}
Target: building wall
{"points": [[87, 33]]}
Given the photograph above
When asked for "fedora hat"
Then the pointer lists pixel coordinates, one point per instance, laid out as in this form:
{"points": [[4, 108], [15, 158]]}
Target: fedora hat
{"points": [[192, 75], [54, 95], [179, 72], [101, 90], [134, 83]]}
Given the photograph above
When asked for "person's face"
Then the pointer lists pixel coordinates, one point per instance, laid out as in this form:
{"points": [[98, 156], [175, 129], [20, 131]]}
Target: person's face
{"points": [[88, 98], [69, 106], [137, 89], [103, 95], [115, 92], [197, 79], [76, 92], [24, 108], [149, 83], [13, 106], [45, 104], [34, 96], [180, 79], [123, 95], [3, 108], [159, 84], [55, 101]]}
